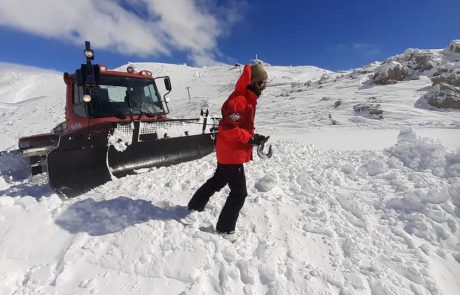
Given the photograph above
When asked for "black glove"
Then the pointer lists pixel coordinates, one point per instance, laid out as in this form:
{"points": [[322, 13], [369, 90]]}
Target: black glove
{"points": [[257, 139]]}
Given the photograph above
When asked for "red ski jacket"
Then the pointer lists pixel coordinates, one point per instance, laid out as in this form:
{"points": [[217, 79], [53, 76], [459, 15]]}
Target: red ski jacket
{"points": [[236, 127]]}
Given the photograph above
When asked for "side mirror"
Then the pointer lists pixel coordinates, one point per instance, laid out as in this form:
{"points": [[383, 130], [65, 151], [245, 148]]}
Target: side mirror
{"points": [[168, 84]]}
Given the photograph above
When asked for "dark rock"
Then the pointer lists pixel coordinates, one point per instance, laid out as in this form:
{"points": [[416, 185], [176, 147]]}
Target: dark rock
{"points": [[417, 60], [369, 110], [454, 46], [390, 73], [425, 66], [443, 95], [451, 79]]}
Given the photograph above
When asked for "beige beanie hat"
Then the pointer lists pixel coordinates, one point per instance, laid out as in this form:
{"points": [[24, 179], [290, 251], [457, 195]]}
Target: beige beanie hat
{"points": [[258, 73]]}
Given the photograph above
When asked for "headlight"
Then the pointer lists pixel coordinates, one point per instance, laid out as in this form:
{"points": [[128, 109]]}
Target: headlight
{"points": [[89, 53], [87, 98]]}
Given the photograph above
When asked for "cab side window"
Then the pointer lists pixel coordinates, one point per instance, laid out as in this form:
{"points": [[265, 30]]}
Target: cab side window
{"points": [[78, 104]]}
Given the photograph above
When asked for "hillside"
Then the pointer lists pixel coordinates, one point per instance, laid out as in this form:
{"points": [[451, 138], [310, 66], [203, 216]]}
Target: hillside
{"points": [[362, 195]]}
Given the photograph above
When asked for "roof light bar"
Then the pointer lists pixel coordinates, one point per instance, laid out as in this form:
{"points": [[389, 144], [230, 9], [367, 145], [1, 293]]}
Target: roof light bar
{"points": [[146, 73]]}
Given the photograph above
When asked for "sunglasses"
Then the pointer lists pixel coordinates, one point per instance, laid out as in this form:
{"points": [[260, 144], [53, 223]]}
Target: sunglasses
{"points": [[261, 83]]}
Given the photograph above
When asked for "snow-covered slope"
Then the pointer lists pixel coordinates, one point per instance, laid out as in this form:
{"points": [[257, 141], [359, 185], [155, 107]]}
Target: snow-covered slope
{"points": [[31, 102], [345, 205]]}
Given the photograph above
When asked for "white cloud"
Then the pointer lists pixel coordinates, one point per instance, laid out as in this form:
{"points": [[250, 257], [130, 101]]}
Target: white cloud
{"points": [[359, 48], [137, 27]]}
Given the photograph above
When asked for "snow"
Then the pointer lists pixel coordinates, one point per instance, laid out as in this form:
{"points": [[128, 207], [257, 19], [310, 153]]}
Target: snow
{"points": [[120, 139], [348, 204]]}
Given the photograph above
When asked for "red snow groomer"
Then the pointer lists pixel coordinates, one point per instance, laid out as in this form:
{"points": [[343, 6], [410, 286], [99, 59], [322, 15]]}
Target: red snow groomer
{"points": [[115, 124]]}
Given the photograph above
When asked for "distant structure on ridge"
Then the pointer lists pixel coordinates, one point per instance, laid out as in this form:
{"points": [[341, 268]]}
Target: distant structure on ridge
{"points": [[259, 61]]}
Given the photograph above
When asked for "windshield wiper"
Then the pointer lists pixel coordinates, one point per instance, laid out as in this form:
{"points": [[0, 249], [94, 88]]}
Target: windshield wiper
{"points": [[142, 111], [147, 109], [128, 100]]}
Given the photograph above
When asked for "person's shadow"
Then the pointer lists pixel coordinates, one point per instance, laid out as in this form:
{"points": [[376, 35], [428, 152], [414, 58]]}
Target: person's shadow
{"points": [[99, 218]]}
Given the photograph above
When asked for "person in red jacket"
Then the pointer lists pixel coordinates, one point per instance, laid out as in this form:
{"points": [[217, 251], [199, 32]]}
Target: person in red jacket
{"points": [[235, 139]]}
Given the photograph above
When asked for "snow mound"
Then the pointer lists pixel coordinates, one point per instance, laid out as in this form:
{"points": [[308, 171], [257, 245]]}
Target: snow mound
{"points": [[425, 154], [429, 206]]}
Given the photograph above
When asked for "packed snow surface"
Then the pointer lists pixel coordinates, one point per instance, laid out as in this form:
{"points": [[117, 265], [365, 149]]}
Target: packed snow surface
{"points": [[349, 203]]}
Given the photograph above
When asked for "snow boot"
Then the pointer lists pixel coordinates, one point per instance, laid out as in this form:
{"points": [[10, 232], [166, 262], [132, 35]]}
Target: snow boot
{"points": [[230, 236]]}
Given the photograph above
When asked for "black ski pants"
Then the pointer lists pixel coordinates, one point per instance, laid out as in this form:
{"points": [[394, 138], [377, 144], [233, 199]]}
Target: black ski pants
{"points": [[233, 175]]}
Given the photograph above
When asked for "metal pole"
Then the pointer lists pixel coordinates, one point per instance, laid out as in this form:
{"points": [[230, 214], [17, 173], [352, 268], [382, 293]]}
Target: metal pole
{"points": [[188, 90]]}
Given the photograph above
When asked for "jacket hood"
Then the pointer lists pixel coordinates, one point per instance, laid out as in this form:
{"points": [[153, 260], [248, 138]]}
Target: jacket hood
{"points": [[243, 81]]}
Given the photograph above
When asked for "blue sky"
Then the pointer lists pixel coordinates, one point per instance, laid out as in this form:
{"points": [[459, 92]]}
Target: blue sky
{"points": [[332, 34]]}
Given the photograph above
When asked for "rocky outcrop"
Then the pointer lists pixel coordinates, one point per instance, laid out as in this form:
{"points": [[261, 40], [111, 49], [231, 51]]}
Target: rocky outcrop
{"points": [[454, 46], [442, 66], [418, 60], [444, 95], [449, 78], [390, 73], [445, 92]]}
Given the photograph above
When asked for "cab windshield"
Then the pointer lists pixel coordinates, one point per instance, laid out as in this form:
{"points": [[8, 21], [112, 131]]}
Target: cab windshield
{"points": [[114, 95]]}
